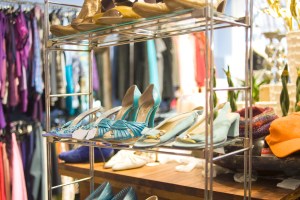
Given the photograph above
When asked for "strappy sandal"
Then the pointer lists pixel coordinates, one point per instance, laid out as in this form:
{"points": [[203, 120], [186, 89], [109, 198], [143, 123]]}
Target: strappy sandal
{"points": [[167, 130], [225, 125], [128, 110], [122, 131], [68, 128]]}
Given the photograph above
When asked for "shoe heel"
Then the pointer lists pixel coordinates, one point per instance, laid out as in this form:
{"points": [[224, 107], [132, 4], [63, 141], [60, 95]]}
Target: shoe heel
{"points": [[133, 114], [151, 117]]}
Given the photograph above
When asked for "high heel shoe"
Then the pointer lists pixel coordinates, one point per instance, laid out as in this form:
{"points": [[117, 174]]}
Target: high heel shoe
{"points": [[68, 128], [126, 111], [122, 12], [81, 22], [103, 192], [167, 130], [225, 125], [146, 9], [219, 5], [126, 194], [126, 131]]}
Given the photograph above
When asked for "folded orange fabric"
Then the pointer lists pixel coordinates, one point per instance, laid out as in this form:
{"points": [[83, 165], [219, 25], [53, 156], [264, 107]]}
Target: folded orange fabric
{"points": [[284, 138]]}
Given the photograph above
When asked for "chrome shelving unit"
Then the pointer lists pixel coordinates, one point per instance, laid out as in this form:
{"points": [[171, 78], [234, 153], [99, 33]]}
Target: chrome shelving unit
{"points": [[180, 22]]}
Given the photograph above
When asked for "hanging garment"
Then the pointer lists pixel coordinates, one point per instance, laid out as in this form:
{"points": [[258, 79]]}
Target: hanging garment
{"points": [[6, 169], [152, 59], [37, 79], [200, 46], [13, 96], [123, 64], [36, 166], [96, 81], [140, 65], [2, 117], [168, 85], [21, 36], [70, 89], [186, 57], [2, 178], [160, 48], [2, 54], [18, 179]]}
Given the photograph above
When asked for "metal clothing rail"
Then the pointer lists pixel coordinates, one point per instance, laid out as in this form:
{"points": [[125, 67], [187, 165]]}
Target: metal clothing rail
{"points": [[55, 5]]}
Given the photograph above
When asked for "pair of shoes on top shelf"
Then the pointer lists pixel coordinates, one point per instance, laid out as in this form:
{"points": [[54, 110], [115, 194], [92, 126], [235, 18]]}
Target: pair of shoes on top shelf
{"points": [[81, 155], [125, 159], [189, 129], [104, 192], [151, 9], [100, 13], [92, 10]]}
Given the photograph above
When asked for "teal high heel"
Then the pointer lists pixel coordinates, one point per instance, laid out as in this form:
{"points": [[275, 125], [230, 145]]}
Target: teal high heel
{"points": [[126, 131], [126, 194], [148, 105], [103, 192], [126, 111]]}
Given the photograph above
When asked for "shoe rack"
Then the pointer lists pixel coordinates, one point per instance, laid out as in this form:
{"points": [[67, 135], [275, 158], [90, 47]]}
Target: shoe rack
{"points": [[177, 23]]}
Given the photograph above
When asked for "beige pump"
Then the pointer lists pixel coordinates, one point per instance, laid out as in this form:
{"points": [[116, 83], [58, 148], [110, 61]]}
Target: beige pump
{"points": [[82, 22]]}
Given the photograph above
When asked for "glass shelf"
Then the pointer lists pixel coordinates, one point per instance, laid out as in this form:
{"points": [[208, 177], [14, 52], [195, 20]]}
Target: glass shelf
{"points": [[176, 23], [164, 148]]}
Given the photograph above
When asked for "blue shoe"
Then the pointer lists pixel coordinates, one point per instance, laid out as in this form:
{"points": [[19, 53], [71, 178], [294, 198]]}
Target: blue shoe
{"points": [[126, 111], [225, 125], [68, 128], [103, 192], [167, 129], [81, 155], [126, 194], [127, 131]]}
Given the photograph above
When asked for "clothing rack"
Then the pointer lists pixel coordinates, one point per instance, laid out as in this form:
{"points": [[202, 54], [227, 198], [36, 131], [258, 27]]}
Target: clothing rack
{"points": [[55, 5]]}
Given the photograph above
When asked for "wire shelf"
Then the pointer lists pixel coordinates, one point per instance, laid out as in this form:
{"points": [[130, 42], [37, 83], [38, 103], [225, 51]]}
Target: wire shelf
{"points": [[177, 23]]}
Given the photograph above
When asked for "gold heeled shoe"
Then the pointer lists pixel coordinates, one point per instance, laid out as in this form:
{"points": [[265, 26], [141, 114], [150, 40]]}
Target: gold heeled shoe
{"points": [[82, 22], [219, 5], [150, 9], [116, 15], [59, 30]]}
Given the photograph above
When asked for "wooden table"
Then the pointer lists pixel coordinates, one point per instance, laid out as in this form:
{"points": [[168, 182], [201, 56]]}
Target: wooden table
{"points": [[166, 183]]}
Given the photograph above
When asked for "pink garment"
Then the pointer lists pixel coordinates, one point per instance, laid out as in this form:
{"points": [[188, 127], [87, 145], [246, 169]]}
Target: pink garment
{"points": [[17, 176], [2, 183], [6, 172]]}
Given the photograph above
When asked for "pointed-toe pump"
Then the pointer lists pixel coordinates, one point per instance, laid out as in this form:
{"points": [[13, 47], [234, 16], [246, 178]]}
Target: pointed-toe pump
{"points": [[126, 194], [120, 13], [59, 30], [103, 192], [225, 125], [147, 9], [81, 22], [219, 5], [128, 111], [129, 131], [167, 130]]}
